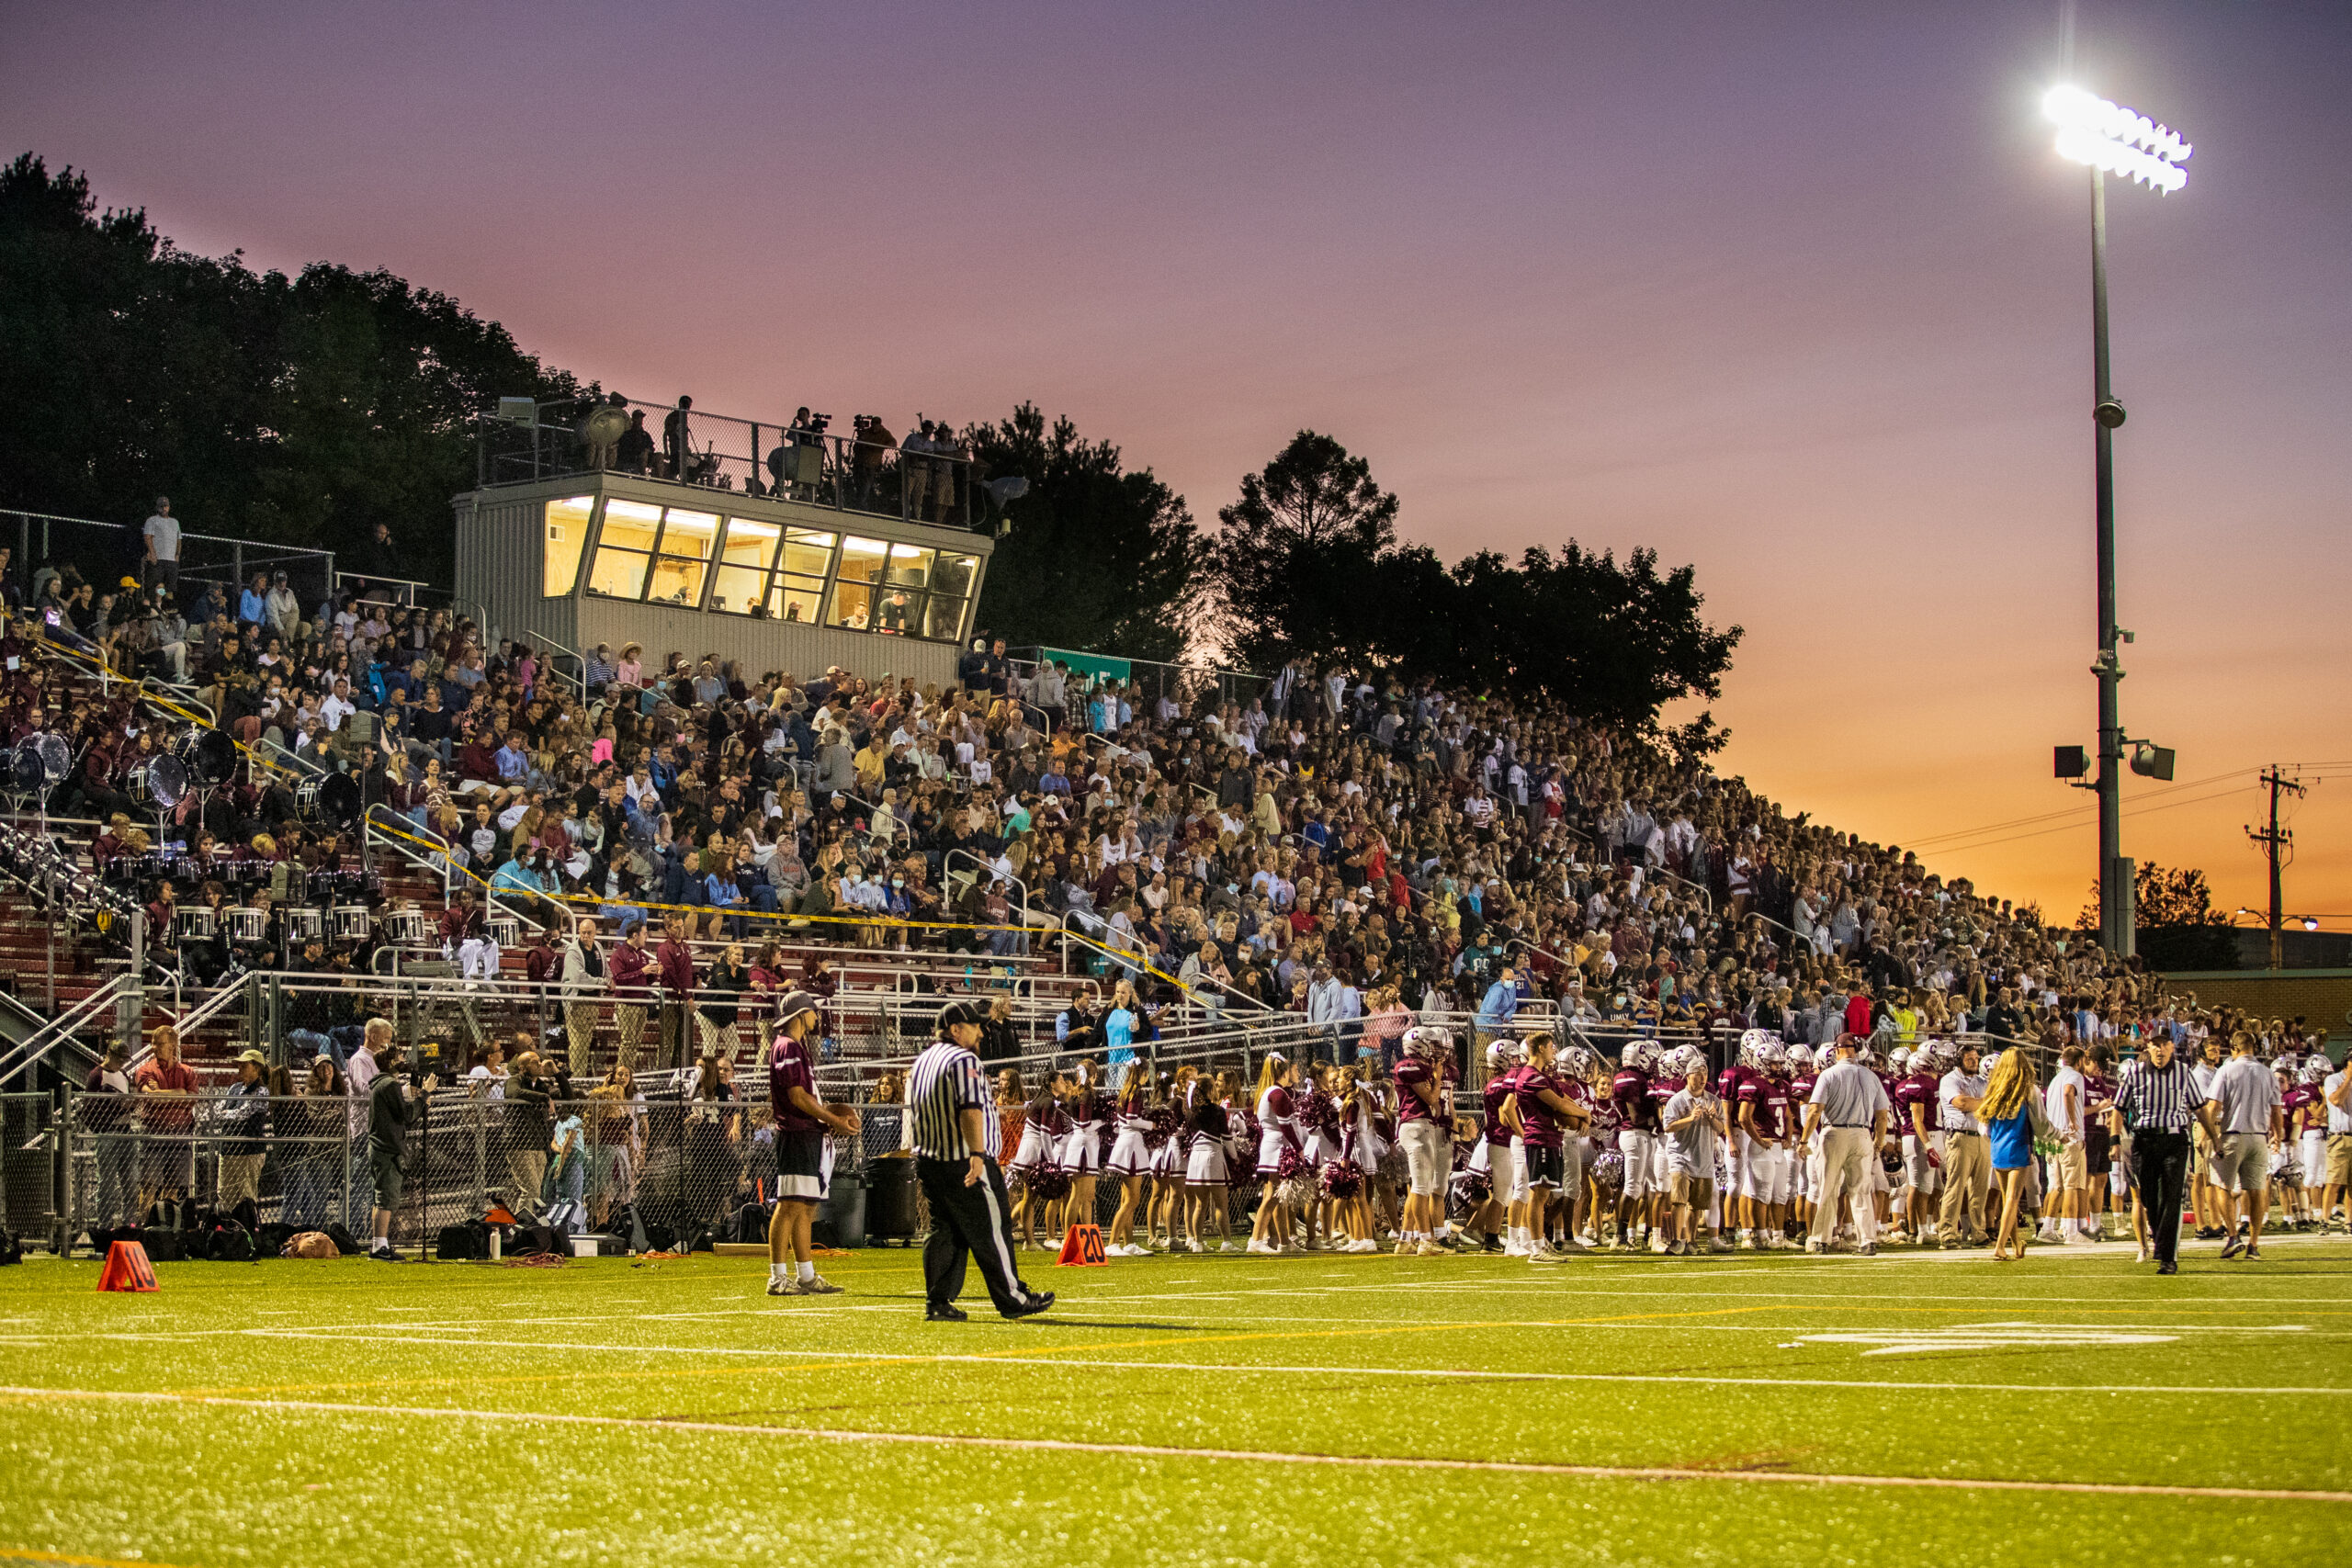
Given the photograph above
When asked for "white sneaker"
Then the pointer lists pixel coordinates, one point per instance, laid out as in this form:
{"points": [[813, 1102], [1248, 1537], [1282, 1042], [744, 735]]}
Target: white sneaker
{"points": [[1229, 1247], [1428, 1248], [1263, 1248], [785, 1286]]}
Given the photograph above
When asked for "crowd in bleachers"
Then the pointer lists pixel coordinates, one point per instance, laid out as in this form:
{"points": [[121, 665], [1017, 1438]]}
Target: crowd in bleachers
{"points": [[1354, 850]]}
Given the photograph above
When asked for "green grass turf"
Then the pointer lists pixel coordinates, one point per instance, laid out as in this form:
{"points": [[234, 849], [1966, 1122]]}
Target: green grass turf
{"points": [[1284, 1356]]}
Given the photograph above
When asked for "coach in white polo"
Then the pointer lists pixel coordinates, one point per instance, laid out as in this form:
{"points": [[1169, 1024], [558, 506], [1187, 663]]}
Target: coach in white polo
{"points": [[2252, 1114], [1850, 1104]]}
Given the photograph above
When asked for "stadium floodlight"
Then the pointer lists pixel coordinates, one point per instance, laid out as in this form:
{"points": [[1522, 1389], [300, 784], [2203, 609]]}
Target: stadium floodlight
{"points": [[2111, 138]]}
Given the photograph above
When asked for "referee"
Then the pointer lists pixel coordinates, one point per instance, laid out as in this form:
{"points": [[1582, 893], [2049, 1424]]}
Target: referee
{"points": [[2156, 1100], [956, 1145]]}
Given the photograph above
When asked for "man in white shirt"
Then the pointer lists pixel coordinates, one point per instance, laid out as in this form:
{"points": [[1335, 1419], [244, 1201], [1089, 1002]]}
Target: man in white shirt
{"points": [[2069, 1171], [2251, 1115], [338, 707], [162, 561], [1967, 1166], [2336, 1094], [2206, 1192]]}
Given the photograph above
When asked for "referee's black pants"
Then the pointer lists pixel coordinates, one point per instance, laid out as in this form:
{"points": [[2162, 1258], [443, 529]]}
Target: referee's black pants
{"points": [[975, 1220], [2160, 1166]]}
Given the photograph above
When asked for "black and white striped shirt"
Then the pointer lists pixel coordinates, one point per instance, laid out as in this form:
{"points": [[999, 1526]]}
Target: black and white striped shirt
{"points": [[2158, 1100], [944, 1082]]}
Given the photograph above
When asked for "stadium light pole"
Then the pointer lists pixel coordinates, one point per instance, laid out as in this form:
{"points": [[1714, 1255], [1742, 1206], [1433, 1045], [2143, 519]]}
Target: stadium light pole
{"points": [[2110, 138]]}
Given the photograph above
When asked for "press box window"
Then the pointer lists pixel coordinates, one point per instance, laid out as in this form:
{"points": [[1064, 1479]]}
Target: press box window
{"points": [[625, 550], [567, 531]]}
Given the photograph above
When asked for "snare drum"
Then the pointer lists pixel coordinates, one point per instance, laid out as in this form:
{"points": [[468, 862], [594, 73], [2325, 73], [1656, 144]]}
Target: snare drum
{"points": [[351, 922], [505, 930], [247, 924], [194, 922], [408, 927], [302, 923]]}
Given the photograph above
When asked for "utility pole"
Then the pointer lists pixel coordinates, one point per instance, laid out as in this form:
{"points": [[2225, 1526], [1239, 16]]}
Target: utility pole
{"points": [[2274, 839]]}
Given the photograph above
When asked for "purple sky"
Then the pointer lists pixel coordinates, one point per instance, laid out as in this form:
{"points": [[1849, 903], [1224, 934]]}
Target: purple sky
{"points": [[1794, 292]]}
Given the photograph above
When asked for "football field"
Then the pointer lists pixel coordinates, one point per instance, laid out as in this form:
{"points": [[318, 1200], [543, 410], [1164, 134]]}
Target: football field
{"points": [[2072, 1408]]}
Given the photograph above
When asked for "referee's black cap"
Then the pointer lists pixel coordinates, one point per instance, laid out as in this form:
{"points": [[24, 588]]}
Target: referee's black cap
{"points": [[959, 1013]]}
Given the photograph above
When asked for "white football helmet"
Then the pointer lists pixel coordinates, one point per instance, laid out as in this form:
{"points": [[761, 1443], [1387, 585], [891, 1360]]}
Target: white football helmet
{"points": [[1428, 1042]]}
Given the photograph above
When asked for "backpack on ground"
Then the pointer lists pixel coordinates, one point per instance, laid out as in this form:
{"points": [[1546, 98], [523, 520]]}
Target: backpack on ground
{"points": [[11, 1249], [466, 1242], [229, 1242], [270, 1240], [162, 1244], [345, 1242]]}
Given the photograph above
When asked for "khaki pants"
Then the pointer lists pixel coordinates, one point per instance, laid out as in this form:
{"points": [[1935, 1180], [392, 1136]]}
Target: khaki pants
{"points": [[631, 1020], [580, 1034], [717, 1040], [1968, 1178], [240, 1178], [1846, 1160], [526, 1170]]}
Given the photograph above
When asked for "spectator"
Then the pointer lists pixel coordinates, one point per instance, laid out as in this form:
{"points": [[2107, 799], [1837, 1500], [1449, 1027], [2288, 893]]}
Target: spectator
{"points": [[106, 1115], [162, 551], [244, 1121], [389, 1097], [166, 1086]]}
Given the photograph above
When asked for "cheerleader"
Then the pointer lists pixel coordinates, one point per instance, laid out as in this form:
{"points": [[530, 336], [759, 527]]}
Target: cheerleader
{"points": [[1387, 1156], [1081, 1150], [1351, 1209], [1131, 1157], [1169, 1164], [1277, 1136], [1206, 1125], [1318, 1119], [1042, 1130]]}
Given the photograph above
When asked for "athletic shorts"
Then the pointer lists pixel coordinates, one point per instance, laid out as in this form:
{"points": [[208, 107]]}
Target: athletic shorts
{"points": [[384, 1174], [800, 1166], [1543, 1167], [1572, 1166], [1503, 1175], [1661, 1163], [2070, 1168], [2242, 1162], [2339, 1159], [1426, 1156], [1685, 1190], [2315, 1159]]}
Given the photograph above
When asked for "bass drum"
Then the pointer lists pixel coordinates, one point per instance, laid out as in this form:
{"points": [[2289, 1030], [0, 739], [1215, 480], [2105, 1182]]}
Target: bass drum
{"points": [[210, 755], [339, 800]]}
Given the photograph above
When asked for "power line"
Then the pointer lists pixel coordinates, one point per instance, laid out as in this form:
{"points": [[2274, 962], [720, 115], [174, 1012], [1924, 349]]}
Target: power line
{"points": [[2070, 811], [2141, 810]]}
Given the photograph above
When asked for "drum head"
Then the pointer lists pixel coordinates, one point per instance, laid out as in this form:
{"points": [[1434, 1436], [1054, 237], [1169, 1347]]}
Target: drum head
{"points": [[339, 798], [214, 757], [56, 757], [25, 771], [167, 780]]}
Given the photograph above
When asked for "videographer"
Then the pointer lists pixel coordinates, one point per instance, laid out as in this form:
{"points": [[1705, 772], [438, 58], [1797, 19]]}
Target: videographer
{"points": [[526, 1128], [388, 1121]]}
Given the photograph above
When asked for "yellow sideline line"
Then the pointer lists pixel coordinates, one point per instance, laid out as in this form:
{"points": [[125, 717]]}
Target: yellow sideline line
{"points": [[1247, 1456], [1025, 1353], [27, 1554]]}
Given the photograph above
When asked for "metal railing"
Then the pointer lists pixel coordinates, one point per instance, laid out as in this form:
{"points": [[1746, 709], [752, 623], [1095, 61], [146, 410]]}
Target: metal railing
{"points": [[108, 552], [871, 473]]}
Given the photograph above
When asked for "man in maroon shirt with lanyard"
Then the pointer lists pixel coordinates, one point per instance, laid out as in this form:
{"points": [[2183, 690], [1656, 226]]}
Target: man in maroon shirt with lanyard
{"points": [[677, 963], [631, 966], [801, 1120]]}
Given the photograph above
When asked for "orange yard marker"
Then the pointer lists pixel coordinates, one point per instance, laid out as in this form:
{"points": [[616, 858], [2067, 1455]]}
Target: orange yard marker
{"points": [[127, 1268]]}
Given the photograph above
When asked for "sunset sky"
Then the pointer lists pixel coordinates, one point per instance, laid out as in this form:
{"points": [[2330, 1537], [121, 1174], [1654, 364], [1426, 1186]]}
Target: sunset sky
{"points": [[1797, 293]]}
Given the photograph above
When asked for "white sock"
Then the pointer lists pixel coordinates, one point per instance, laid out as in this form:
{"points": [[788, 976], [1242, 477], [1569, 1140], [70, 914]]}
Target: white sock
{"points": [[807, 1272], [777, 1272]]}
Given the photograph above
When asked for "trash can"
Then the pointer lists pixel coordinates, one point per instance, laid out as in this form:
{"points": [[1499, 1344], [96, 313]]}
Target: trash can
{"points": [[840, 1218], [890, 1207]]}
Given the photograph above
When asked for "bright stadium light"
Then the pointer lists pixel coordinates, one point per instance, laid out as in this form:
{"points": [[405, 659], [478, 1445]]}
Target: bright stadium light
{"points": [[2108, 136], [2111, 139]]}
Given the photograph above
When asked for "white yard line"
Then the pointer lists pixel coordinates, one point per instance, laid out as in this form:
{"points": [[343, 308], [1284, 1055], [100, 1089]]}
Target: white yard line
{"points": [[1152, 1450]]}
